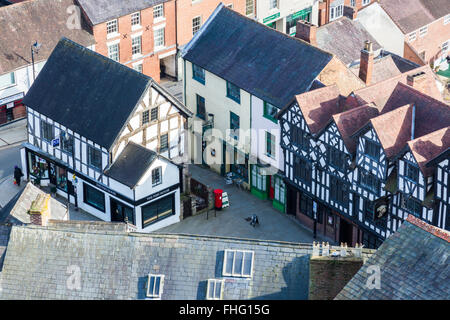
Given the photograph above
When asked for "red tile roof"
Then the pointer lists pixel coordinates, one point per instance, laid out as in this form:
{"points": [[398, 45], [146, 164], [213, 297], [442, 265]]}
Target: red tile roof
{"points": [[379, 93], [393, 129], [350, 121], [427, 147], [438, 232], [318, 106]]}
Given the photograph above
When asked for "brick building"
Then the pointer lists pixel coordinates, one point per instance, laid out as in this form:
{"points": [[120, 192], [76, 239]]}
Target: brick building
{"points": [[418, 30], [141, 35], [330, 10]]}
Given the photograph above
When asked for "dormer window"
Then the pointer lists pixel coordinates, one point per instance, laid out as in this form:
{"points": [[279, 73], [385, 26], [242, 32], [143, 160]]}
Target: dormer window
{"points": [[155, 286], [238, 263], [214, 290]]}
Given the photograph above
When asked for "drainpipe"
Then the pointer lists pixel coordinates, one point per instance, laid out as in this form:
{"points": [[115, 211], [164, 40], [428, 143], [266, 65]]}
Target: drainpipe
{"points": [[413, 121], [176, 38]]}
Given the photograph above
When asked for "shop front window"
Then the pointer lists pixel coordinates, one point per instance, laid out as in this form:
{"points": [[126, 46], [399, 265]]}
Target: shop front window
{"points": [[158, 210], [61, 178], [38, 166], [291, 20], [258, 179], [240, 165], [280, 190]]}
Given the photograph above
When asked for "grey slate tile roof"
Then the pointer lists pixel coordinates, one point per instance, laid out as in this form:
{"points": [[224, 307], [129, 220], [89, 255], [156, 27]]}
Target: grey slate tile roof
{"points": [[414, 264], [4, 238], [131, 164], [410, 15], [86, 92], [116, 265], [46, 22], [344, 38], [264, 62], [99, 11]]}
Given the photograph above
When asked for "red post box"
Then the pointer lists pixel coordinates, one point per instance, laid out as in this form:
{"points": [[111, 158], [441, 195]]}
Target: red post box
{"points": [[218, 198]]}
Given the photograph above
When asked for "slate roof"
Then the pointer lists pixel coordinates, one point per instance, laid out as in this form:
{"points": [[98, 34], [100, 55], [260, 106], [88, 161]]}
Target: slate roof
{"points": [[260, 60], [132, 163], [350, 121], [87, 92], [115, 265], [18, 212], [99, 11], [414, 264], [4, 238], [45, 22], [410, 15], [345, 39], [426, 148]]}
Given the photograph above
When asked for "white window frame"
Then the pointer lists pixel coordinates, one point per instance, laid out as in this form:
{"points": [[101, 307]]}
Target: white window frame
{"points": [[12, 76], [156, 183], [445, 46], [136, 46], [136, 20], [139, 67], [273, 4], [249, 4], [423, 31], [158, 12], [236, 274], [155, 38], [112, 31], [336, 12], [213, 283], [412, 36], [161, 286], [110, 53], [447, 19], [365, 2], [195, 27]]}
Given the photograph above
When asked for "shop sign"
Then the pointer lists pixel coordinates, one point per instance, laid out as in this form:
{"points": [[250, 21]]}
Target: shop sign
{"points": [[11, 98], [301, 13], [55, 142], [270, 18]]}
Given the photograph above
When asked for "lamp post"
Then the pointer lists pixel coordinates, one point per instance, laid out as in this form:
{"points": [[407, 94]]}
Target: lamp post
{"points": [[34, 49]]}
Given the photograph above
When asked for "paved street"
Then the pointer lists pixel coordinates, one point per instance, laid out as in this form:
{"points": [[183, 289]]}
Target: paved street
{"points": [[230, 222], [13, 133]]}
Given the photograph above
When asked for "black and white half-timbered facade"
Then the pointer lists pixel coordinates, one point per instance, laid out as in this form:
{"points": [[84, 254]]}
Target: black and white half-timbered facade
{"points": [[106, 137], [341, 161], [441, 165], [422, 191]]}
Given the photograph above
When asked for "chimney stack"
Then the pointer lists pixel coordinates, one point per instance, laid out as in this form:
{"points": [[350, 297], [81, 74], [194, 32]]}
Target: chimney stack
{"points": [[416, 80], [366, 63], [306, 31], [40, 210]]}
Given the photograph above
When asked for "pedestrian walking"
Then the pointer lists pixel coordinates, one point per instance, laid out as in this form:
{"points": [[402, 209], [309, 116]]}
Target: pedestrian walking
{"points": [[17, 175]]}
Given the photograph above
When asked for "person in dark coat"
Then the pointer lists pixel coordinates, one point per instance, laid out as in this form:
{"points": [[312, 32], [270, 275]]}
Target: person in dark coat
{"points": [[18, 175]]}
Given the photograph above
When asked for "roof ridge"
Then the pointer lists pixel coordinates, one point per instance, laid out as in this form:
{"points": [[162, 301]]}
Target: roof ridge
{"points": [[430, 134], [438, 232], [16, 4], [316, 91], [422, 93], [277, 31], [106, 59]]}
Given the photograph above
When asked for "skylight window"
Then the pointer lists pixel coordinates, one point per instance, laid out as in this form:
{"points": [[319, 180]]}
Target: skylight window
{"points": [[155, 286], [238, 263]]}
